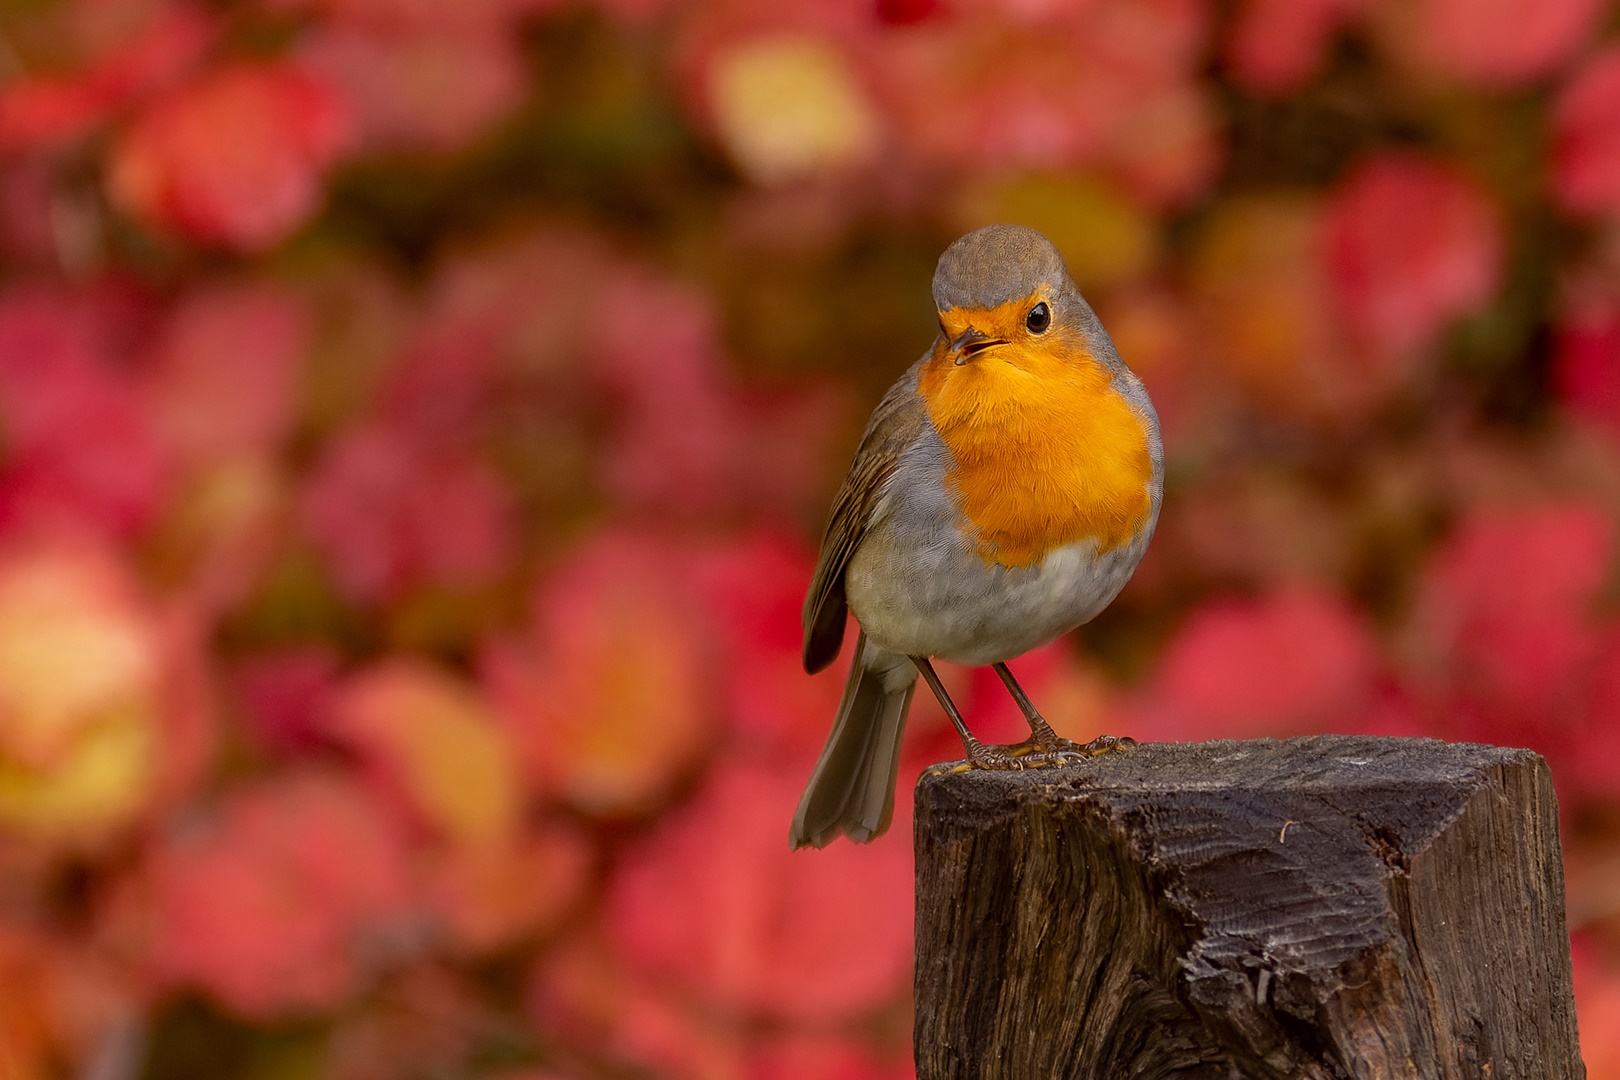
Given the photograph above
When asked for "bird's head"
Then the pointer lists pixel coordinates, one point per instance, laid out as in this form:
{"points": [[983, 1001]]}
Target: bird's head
{"points": [[1003, 294]]}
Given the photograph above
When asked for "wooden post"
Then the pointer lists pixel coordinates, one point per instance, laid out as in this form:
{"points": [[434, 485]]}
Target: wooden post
{"points": [[1306, 909]]}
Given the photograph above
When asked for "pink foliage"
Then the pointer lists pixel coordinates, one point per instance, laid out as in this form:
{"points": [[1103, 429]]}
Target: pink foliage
{"points": [[607, 693], [287, 695], [227, 369], [1587, 371], [1410, 244], [1507, 621], [273, 906], [688, 437], [236, 158], [1586, 148], [44, 112], [582, 994], [1597, 1000], [63, 1003], [493, 896], [82, 450], [431, 90], [716, 903], [1499, 43], [1584, 743], [808, 1058], [1320, 669], [419, 16], [1090, 87], [1266, 319], [908, 12], [377, 507], [1277, 45], [752, 593], [444, 387], [653, 346]]}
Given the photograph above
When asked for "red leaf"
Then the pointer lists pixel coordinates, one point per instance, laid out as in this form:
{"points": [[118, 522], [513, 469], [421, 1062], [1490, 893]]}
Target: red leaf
{"points": [[236, 158], [1410, 245], [1586, 139], [715, 901], [753, 589], [655, 350], [1587, 365], [377, 506], [495, 895], [419, 16], [39, 112], [1504, 612], [1166, 150], [1320, 669], [1597, 1005], [608, 694], [82, 451], [63, 1006], [582, 995], [907, 12], [1584, 745], [269, 907], [227, 368], [46, 112], [810, 1057], [1277, 45], [433, 90], [1266, 314], [1492, 43], [287, 696], [1056, 86]]}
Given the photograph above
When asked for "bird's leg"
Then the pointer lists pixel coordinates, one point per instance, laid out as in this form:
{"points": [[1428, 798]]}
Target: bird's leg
{"points": [[1043, 739], [978, 755], [1040, 732]]}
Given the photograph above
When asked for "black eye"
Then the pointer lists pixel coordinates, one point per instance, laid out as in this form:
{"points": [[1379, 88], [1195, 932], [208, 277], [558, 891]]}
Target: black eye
{"points": [[1038, 319]]}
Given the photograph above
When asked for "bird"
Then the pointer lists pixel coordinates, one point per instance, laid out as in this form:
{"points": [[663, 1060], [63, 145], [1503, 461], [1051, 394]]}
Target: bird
{"points": [[1004, 491]]}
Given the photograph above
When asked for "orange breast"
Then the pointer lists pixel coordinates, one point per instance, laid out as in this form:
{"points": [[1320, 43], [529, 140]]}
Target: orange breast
{"points": [[1047, 452]]}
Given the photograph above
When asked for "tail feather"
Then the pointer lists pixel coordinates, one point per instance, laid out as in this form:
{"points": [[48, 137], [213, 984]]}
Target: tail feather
{"points": [[851, 791]]}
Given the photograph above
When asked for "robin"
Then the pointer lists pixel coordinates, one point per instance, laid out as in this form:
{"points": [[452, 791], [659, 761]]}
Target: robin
{"points": [[1003, 493]]}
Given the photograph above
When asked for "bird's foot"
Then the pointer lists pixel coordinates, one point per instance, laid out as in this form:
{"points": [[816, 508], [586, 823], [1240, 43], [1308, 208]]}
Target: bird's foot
{"points": [[1033, 753], [1070, 750], [1045, 740]]}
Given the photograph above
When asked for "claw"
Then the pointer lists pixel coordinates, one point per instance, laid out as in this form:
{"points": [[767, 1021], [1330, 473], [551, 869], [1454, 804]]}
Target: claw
{"points": [[1108, 744]]}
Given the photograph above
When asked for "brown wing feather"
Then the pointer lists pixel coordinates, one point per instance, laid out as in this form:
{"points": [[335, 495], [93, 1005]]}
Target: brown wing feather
{"points": [[896, 423]]}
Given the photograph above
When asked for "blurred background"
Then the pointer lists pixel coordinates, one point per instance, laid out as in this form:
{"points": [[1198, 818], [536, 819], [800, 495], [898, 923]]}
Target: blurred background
{"points": [[417, 418]]}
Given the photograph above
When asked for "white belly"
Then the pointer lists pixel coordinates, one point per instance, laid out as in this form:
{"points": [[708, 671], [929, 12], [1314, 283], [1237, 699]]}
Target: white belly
{"points": [[941, 600]]}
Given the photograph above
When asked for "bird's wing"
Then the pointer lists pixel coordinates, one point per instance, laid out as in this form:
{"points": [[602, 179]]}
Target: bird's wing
{"points": [[896, 424]]}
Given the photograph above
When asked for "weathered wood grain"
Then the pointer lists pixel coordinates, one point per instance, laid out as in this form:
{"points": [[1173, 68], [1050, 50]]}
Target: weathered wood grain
{"points": [[1304, 909]]}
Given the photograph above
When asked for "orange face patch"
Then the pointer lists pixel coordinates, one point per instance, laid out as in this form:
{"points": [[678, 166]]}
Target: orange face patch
{"points": [[1047, 452]]}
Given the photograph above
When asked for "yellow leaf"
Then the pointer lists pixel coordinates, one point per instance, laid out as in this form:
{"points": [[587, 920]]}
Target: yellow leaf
{"points": [[787, 107], [100, 782], [435, 738]]}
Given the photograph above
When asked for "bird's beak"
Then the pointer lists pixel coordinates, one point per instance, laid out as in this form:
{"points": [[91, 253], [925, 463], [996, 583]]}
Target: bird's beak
{"points": [[970, 341]]}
